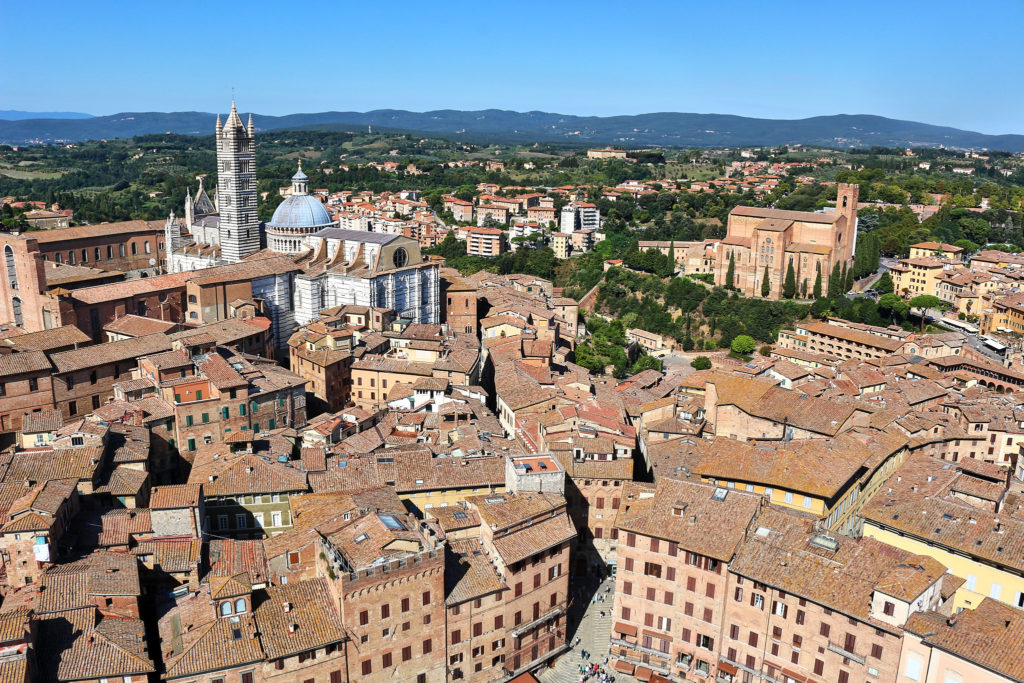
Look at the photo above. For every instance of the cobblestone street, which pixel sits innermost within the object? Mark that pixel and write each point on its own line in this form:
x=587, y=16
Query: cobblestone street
x=593, y=630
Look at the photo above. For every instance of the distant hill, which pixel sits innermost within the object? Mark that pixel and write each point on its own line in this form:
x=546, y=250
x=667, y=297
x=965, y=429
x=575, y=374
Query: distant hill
x=18, y=115
x=666, y=128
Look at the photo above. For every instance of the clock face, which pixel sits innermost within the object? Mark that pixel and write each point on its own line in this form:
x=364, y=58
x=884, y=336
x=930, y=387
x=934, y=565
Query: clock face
x=401, y=257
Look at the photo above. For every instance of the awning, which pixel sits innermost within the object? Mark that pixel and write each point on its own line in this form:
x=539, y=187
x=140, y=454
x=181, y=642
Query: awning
x=643, y=673
x=795, y=676
x=625, y=629
x=625, y=667
x=726, y=667
x=658, y=678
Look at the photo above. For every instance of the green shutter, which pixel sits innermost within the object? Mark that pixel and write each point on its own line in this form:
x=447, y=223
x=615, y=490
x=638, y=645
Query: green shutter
x=191, y=444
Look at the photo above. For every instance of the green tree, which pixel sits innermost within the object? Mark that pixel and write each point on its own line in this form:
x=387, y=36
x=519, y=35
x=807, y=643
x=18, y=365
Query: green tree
x=730, y=274
x=923, y=302
x=849, y=280
x=842, y=281
x=835, y=280
x=894, y=304
x=884, y=284
x=743, y=345
x=701, y=363
x=789, y=286
x=968, y=246
x=766, y=283
x=803, y=288
x=816, y=294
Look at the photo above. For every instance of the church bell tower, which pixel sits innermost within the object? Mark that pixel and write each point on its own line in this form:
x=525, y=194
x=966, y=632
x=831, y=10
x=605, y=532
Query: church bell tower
x=236, y=188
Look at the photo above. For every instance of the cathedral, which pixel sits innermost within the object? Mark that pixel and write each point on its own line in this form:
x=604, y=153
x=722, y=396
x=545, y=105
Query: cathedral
x=335, y=266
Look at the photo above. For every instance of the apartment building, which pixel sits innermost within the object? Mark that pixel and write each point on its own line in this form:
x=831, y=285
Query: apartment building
x=485, y=242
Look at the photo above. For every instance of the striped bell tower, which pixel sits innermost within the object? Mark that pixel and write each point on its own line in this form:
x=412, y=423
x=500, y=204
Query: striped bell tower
x=236, y=188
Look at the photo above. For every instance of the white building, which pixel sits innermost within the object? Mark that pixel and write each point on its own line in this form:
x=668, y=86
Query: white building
x=228, y=231
x=367, y=269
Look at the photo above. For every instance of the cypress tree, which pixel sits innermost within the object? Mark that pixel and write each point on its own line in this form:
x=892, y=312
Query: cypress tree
x=803, y=288
x=730, y=274
x=850, y=279
x=835, y=282
x=789, y=286
x=842, y=281
x=766, y=285
x=817, y=283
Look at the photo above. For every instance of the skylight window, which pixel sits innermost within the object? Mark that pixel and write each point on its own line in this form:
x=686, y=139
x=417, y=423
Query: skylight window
x=719, y=494
x=361, y=537
x=391, y=522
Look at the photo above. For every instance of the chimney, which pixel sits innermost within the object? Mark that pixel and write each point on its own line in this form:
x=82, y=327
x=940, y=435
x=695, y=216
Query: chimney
x=292, y=627
x=212, y=477
x=287, y=606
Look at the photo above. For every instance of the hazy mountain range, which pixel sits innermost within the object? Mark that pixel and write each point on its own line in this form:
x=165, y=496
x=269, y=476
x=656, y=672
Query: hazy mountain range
x=686, y=130
x=18, y=115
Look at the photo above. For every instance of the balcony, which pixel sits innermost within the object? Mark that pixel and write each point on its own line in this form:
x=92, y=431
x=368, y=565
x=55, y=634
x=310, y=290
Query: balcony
x=557, y=612
x=838, y=649
x=641, y=648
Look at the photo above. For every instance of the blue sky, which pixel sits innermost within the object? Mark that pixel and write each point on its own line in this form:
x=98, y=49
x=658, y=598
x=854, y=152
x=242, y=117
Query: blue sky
x=948, y=63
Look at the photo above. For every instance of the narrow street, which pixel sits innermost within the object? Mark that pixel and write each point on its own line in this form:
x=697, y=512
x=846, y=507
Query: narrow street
x=594, y=631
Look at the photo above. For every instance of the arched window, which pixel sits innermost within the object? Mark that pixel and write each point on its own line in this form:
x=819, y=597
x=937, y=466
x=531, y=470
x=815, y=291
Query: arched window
x=240, y=606
x=225, y=609
x=12, y=272
x=16, y=308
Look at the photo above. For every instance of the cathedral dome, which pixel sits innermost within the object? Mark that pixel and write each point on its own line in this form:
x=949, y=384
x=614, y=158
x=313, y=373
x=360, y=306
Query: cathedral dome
x=301, y=211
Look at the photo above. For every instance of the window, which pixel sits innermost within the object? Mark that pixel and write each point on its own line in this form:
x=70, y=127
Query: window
x=120, y=250
x=428, y=646
x=240, y=606
x=706, y=642
x=824, y=630
x=146, y=247
x=876, y=651
x=135, y=249
x=367, y=667
x=889, y=609
x=110, y=251
x=12, y=273
x=225, y=608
